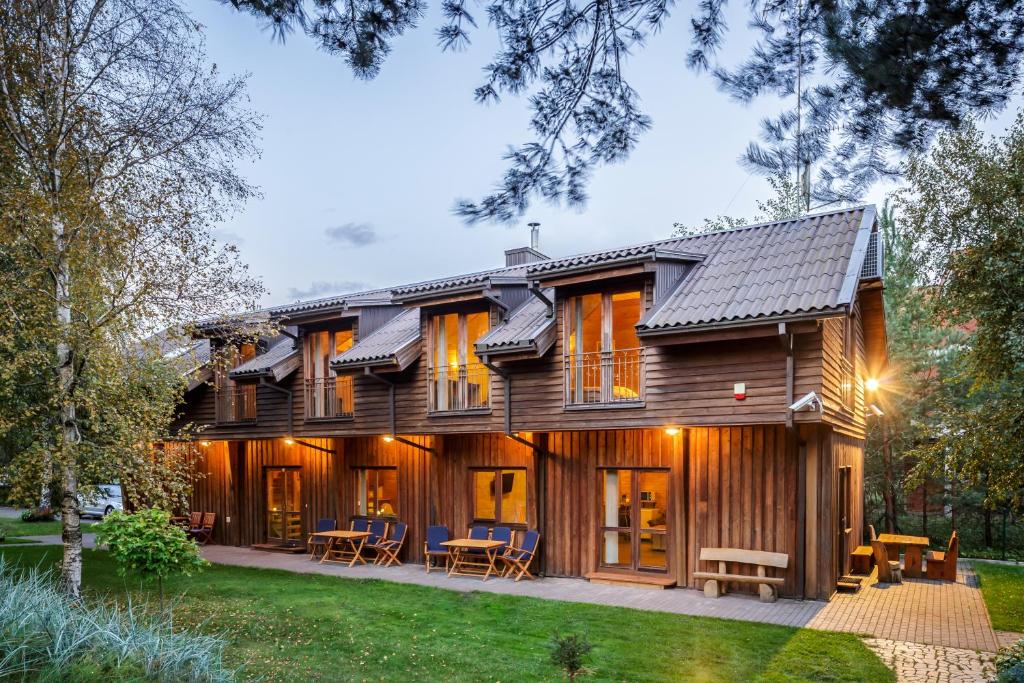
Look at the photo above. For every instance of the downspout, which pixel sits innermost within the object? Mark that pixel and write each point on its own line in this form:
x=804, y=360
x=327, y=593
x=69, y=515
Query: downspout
x=536, y=291
x=488, y=295
x=391, y=395
x=288, y=394
x=506, y=380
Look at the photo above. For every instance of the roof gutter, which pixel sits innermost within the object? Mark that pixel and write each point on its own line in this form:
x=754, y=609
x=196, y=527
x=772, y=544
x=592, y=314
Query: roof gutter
x=506, y=381
x=537, y=292
x=752, y=322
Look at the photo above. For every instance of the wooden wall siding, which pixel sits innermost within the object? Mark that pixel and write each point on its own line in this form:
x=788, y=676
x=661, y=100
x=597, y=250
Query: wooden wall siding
x=847, y=422
x=417, y=483
x=847, y=452
x=742, y=482
x=572, y=484
x=213, y=488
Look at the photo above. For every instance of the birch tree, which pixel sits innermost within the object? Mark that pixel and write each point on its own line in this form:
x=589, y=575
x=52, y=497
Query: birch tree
x=122, y=150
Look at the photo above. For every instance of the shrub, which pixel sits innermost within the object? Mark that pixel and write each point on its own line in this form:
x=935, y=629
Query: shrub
x=37, y=515
x=1010, y=664
x=147, y=544
x=46, y=636
x=568, y=653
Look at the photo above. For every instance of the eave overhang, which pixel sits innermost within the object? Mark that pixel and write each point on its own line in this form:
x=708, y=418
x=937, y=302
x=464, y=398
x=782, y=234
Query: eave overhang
x=633, y=260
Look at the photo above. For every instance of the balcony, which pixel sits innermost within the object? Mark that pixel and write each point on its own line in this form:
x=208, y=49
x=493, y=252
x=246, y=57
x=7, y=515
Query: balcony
x=459, y=387
x=329, y=398
x=604, y=377
x=236, y=403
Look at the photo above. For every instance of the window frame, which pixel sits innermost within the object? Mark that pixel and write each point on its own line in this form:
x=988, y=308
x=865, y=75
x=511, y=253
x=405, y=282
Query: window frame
x=362, y=492
x=465, y=356
x=310, y=363
x=497, y=472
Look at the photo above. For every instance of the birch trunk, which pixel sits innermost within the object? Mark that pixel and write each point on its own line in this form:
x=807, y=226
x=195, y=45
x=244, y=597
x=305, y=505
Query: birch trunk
x=71, y=528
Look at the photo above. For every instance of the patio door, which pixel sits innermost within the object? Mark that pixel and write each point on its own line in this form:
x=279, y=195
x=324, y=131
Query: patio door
x=284, y=504
x=634, y=519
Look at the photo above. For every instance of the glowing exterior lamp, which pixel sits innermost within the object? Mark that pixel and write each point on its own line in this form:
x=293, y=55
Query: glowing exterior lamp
x=204, y=444
x=289, y=441
x=871, y=384
x=672, y=431
x=388, y=438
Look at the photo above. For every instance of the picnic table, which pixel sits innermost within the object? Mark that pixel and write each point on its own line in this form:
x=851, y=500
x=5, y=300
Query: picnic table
x=344, y=546
x=912, y=555
x=467, y=563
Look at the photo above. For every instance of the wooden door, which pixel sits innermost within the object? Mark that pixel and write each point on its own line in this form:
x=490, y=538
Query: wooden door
x=284, y=504
x=634, y=507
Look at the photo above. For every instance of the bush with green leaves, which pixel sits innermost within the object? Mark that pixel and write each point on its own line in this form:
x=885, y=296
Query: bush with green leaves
x=44, y=635
x=1010, y=664
x=145, y=543
x=568, y=652
x=43, y=514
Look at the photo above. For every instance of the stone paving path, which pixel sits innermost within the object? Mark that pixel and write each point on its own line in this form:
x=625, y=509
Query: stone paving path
x=914, y=662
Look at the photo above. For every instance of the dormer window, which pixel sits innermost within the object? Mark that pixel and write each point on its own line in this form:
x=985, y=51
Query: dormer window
x=327, y=395
x=457, y=379
x=603, y=357
x=234, y=402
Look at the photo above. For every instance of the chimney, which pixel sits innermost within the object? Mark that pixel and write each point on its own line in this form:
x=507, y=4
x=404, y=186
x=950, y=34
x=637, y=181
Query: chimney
x=522, y=255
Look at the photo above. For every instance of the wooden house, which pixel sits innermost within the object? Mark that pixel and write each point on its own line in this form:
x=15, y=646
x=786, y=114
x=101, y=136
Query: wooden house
x=634, y=405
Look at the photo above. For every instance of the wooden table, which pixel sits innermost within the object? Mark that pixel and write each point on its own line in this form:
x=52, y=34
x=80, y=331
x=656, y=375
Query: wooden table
x=912, y=555
x=344, y=546
x=473, y=564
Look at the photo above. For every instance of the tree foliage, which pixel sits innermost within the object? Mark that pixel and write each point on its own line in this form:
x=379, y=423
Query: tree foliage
x=118, y=146
x=786, y=202
x=877, y=77
x=965, y=205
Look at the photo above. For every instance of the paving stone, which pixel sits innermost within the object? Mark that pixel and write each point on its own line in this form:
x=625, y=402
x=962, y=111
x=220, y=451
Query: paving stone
x=916, y=662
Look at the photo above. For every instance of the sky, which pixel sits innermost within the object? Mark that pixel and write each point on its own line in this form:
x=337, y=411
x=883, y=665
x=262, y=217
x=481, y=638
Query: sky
x=358, y=178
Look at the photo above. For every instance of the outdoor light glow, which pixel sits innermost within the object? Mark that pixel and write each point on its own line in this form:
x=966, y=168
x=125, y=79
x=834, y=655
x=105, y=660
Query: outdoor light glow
x=204, y=444
x=871, y=384
x=388, y=439
x=289, y=441
x=672, y=431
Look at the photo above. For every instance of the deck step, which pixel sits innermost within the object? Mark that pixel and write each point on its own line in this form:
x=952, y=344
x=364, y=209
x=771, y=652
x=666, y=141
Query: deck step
x=280, y=548
x=631, y=580
x=849, y=583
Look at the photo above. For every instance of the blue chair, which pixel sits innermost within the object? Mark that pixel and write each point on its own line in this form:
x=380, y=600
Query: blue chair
x=477, y=533
x=360, y=525
x=388, y=549
x=436, y=535
x=316, y=541
x=503, y=534
x=378, y=530
x=517, y=560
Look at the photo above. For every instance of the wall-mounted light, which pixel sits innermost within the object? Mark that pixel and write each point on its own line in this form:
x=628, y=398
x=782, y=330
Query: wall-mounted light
x=204, y=444
x=388, y=438
x=672, y=431
x=289, y=441
x=871, y=384
x=876, y=410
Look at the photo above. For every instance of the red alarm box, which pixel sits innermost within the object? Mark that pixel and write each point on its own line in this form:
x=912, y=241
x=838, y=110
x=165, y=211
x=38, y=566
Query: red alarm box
x=739, y=391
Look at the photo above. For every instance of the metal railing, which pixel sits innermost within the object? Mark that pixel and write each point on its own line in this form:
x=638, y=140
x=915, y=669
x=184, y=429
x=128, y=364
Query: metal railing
x=604, y=377
x=236, y=403
x=329, y=397
x=460, y=387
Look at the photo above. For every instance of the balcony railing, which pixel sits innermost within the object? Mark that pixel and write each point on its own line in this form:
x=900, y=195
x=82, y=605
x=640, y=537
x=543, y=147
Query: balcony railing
x=328, y=397
x=604, y=377
x=236, y=403
x=460, y=387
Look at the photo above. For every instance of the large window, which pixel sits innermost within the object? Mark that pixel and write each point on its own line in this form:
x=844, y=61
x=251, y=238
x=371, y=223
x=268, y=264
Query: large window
x=377, y=494
x=603, y=359
x=234, y=402
x=327, y=395
x=457, y=379
x=499, y=496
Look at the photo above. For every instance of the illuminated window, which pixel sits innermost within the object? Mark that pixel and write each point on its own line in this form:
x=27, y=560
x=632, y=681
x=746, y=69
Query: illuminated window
x=234, y=402
x=378, y=492
x=457, y=379
x=499, y=496
x=327, y=395
x=603, y=359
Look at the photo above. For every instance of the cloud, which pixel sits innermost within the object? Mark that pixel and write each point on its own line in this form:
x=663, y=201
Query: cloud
x=322, y=288
x=353, y=234
x=228, y=237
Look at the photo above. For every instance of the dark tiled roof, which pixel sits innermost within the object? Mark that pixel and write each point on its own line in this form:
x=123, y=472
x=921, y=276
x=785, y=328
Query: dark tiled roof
x=385, y=345
x=786, y=268
x=525, y=325
x=667, y=249
x=459, y=282
x=368, y=298
x=282, y=351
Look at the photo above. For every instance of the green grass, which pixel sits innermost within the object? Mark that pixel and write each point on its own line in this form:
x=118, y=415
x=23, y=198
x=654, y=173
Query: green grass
x=13, y=540
x=16, y=527
x=1003, y=589
x=285, y=626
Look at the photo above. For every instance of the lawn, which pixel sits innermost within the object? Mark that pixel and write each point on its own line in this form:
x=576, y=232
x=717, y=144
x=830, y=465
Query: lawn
x=16, y=527
x=284, y=626
x=1003, y=589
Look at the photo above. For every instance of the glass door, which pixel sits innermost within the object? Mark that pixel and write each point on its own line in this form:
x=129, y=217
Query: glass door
x=634, y=519
x=284, y=509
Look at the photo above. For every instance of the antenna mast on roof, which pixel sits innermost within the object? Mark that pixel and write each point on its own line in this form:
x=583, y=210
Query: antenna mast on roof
x=534, y=236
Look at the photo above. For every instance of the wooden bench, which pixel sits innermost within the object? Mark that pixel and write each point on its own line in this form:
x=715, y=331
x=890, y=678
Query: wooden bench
x=768, y=586
x=862, y=559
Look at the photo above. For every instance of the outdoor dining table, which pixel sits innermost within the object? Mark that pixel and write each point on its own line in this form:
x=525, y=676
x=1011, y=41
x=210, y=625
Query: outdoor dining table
x=466, y=563
x=912, y=555
x=344, y=546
